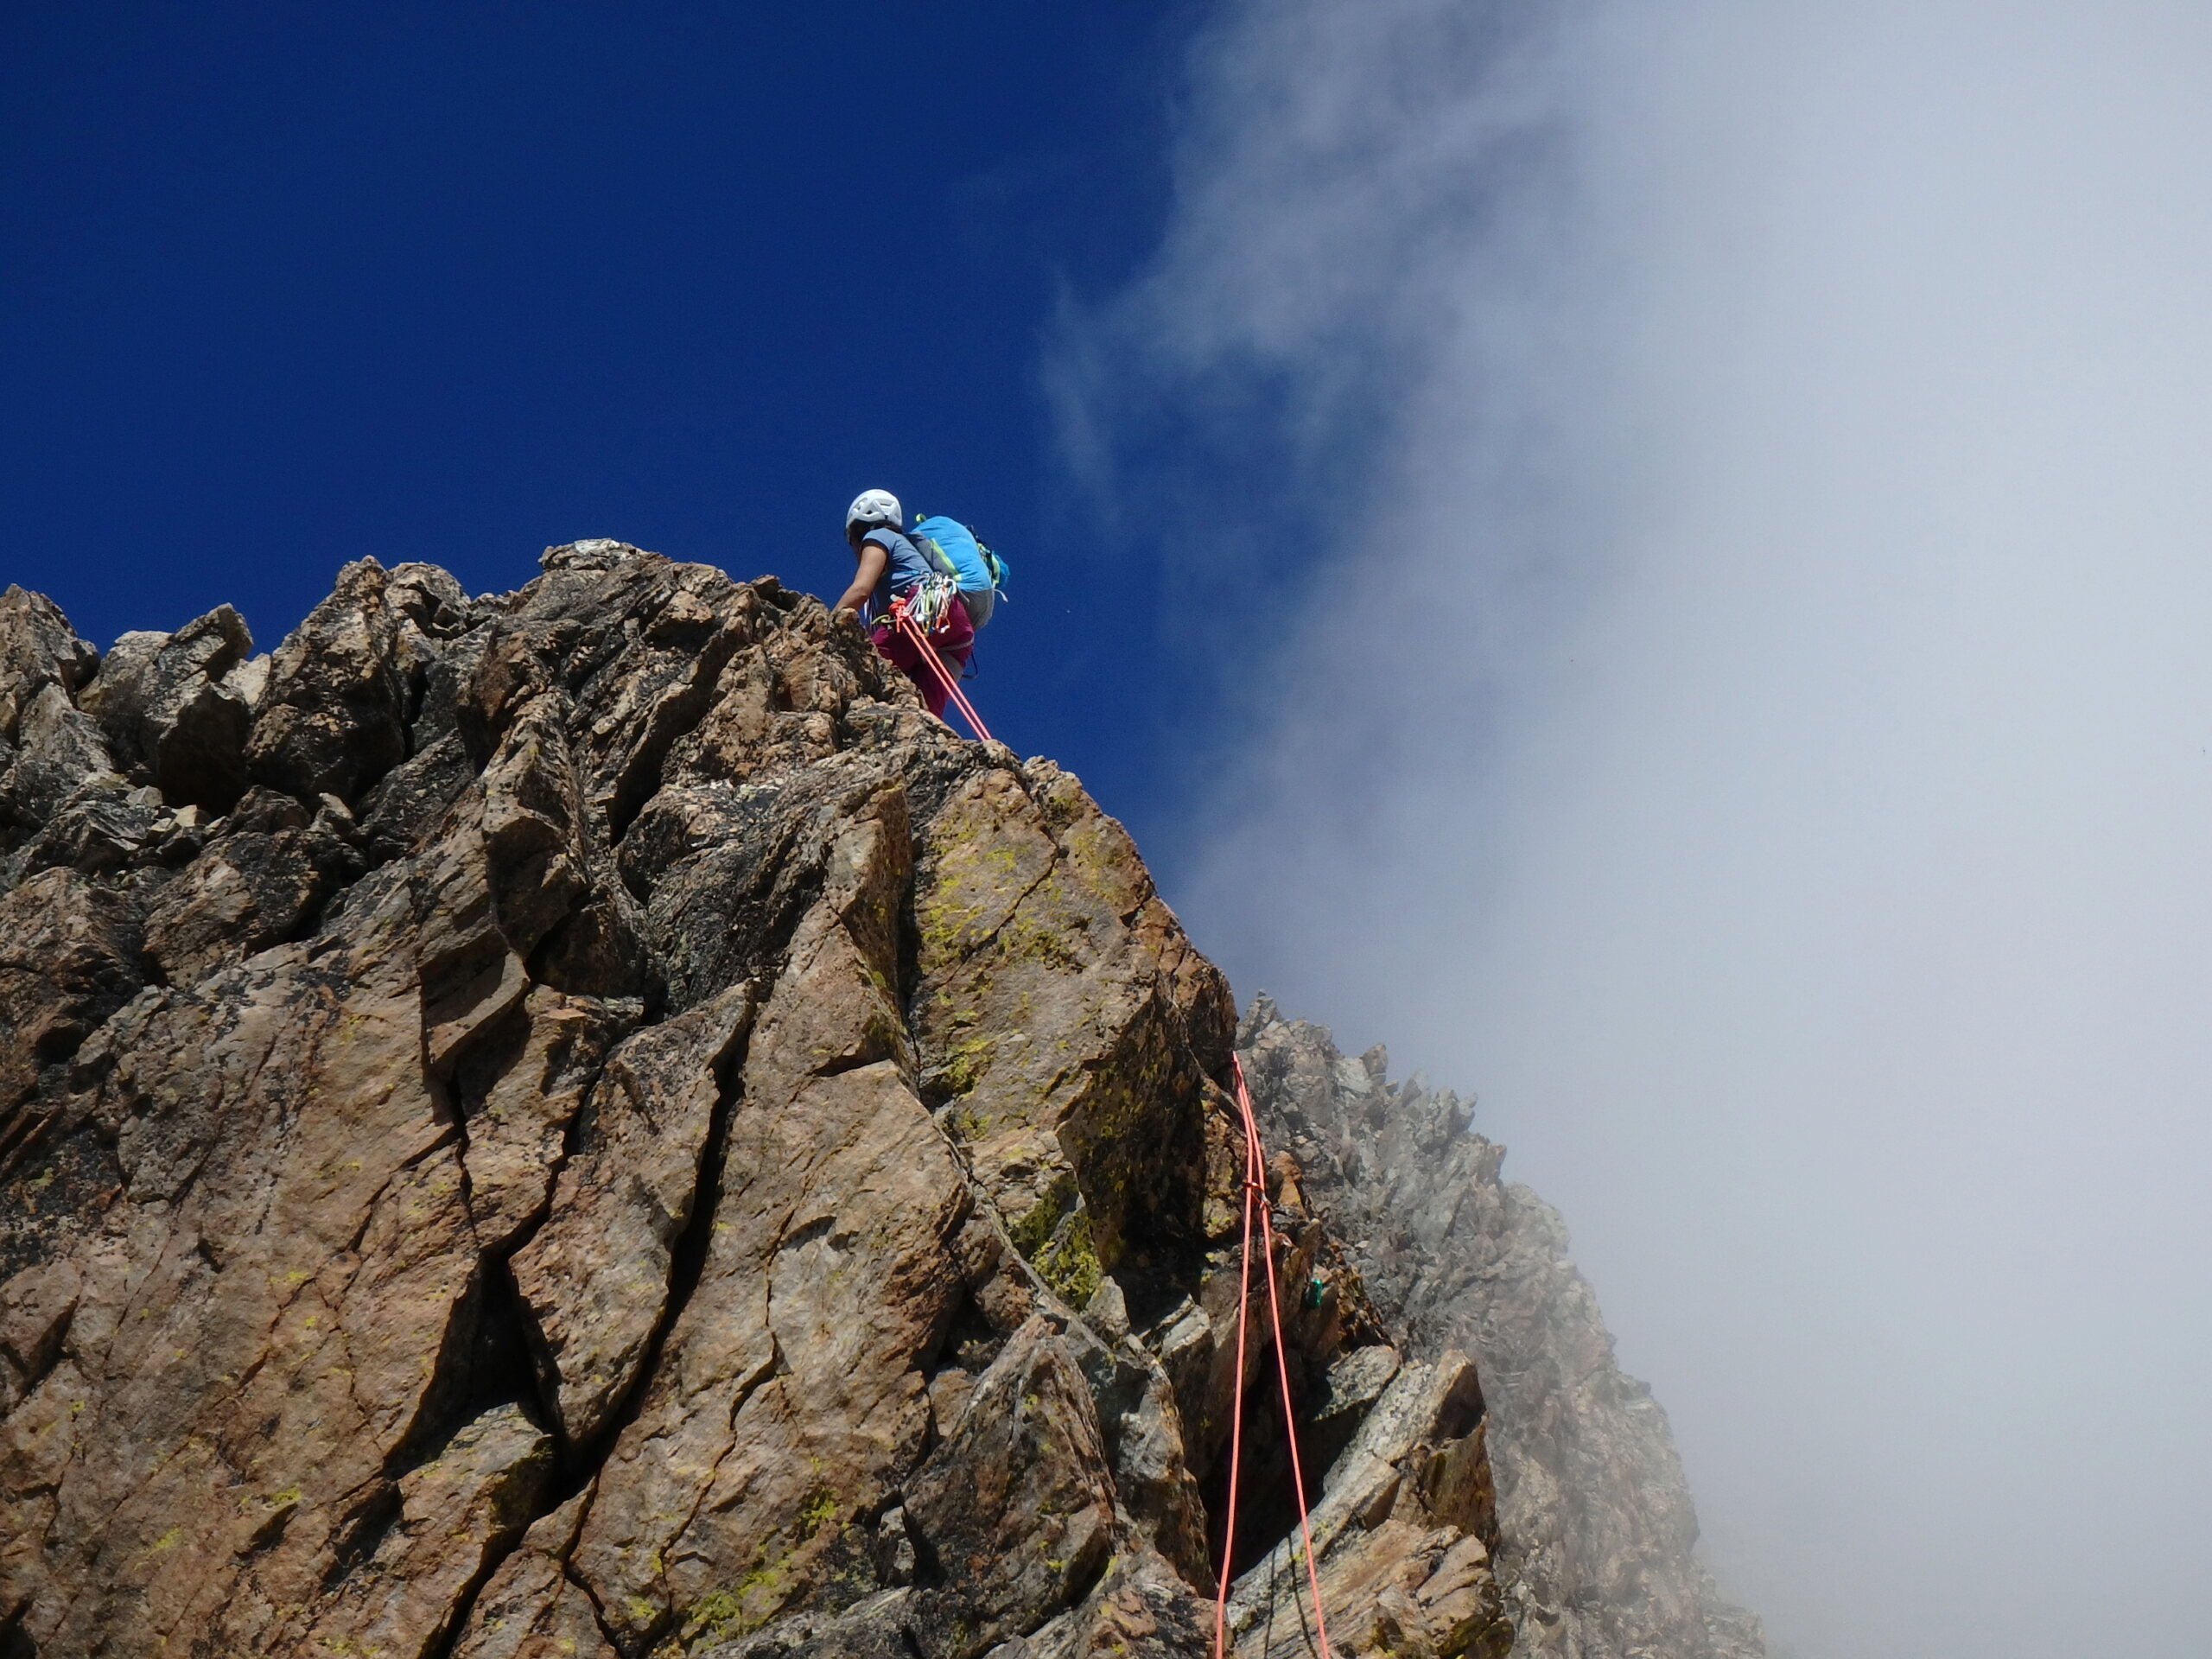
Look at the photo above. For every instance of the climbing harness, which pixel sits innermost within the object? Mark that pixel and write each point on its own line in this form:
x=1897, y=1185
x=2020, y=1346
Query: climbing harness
x=903, y=619
x=1255, y=1196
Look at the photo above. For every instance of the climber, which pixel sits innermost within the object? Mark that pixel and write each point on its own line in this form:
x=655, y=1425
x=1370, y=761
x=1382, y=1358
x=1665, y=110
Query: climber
x=892, y=568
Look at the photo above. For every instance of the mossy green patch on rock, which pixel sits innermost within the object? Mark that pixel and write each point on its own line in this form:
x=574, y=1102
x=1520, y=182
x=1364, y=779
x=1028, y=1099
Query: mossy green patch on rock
x=1070, y=1264
x=967, y=1126
x=966, y=1060
x=1030, y=1231
x=1055, y=1238
x=818, y=1511
x=734, y=1609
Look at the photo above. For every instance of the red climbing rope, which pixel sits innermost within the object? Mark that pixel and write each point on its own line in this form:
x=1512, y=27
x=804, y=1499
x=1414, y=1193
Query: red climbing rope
x=906, y=625
x=1250, y=1183
x=1255, y=1196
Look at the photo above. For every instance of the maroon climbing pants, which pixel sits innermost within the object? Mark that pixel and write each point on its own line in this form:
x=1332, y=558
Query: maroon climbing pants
x=953, y=639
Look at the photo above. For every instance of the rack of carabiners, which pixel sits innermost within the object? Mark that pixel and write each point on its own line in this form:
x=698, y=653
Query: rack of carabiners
x=1255, y=1201
x=920, y=639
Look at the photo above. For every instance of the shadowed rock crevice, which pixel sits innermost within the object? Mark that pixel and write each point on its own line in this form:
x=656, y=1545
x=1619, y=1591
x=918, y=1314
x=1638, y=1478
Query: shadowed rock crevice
x=483, y=1363
x=582, y=1460
x=1267, y=1510
x=580, y=1122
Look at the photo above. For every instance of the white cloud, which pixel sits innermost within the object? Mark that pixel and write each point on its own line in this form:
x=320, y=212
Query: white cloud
x=1751, y=717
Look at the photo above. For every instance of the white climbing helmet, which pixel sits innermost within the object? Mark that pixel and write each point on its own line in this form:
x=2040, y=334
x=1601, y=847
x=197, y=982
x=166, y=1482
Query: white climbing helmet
x=875, y=507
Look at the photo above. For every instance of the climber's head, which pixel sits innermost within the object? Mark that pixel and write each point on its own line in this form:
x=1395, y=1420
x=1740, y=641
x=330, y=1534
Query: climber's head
x=869, y=509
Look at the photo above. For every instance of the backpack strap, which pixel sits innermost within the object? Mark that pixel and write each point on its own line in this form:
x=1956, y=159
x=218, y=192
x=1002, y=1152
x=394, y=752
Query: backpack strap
x=940, y=561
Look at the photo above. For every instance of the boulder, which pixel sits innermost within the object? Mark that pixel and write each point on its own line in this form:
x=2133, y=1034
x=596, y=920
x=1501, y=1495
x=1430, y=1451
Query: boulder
x=38, y=648
x=1016, y=1509
x=1140, y=1609
x=59, y=757
x=332, y=717
x=260, y=880
x=1401, y=1538
x=171, y=714
x=69, y=957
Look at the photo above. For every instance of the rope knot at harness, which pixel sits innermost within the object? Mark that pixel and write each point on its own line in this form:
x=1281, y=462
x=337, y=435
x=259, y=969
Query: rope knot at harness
x=1254, y=1183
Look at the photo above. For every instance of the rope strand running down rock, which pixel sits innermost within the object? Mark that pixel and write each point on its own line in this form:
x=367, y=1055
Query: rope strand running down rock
x=920, y=641
x=1236, y=1417
x=1255, y=1196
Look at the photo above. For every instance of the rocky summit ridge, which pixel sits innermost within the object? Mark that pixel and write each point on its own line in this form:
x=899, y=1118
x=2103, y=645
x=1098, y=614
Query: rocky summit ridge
x=583, y=1122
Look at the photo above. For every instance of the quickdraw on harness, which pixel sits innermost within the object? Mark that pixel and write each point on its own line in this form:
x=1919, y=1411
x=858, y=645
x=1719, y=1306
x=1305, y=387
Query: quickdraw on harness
x=928, y=600
x=1256, y=1198
x=904, y=618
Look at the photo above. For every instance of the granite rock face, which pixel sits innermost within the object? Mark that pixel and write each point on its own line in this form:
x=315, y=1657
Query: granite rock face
x=581, y=1121
x=1595, y=1520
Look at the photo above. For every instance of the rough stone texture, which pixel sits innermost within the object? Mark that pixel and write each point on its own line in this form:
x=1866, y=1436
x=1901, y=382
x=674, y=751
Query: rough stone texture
x=1139, y=1610
x=458, y=1514
x=1403, y=1538
x=593, y=1276
x=1016, y=1506
x=588, y=1124
x=1595, y=1522
x=529, y=1608
x=332, y=716
x=171, y=715
x=263, y=875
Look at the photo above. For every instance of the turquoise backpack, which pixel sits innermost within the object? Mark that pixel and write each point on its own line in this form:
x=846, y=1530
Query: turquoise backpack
x=955, y=549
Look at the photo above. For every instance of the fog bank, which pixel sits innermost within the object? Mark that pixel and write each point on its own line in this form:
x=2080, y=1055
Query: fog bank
x=1728, y=488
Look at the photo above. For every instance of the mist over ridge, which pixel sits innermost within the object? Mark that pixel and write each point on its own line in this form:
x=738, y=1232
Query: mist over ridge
x=1729, y=489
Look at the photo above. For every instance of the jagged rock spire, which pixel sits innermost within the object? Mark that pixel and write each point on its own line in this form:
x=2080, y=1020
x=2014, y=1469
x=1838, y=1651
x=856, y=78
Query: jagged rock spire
x=582, y=1122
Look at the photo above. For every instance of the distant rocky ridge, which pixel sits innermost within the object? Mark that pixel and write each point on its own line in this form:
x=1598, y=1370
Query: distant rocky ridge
x=1596, y=1520
x=581, y=1121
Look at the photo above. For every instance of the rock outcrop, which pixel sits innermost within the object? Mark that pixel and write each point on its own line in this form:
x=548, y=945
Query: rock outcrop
x=1595, y=1515
x=581, y=1121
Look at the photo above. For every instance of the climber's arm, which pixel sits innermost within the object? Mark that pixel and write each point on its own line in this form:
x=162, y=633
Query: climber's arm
x=873, y=558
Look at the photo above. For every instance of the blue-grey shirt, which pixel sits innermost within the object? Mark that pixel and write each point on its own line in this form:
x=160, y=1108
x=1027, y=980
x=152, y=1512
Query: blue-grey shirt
x=904, y=566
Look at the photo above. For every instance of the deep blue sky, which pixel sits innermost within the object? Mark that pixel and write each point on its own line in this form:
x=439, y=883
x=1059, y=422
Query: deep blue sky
x=287, y=285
